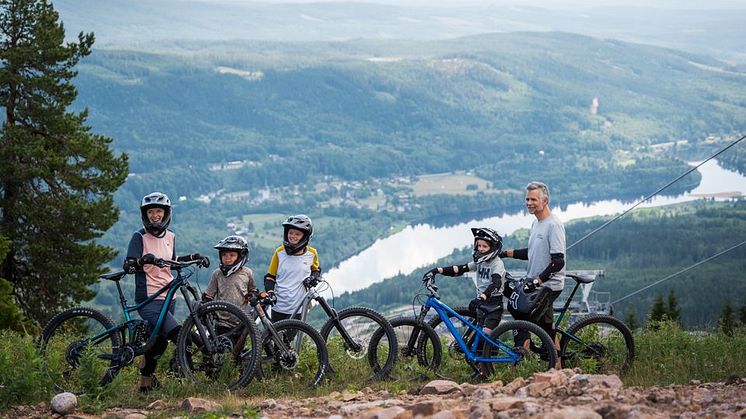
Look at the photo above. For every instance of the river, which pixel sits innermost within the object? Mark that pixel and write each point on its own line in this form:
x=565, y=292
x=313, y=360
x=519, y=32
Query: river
x=422, y=245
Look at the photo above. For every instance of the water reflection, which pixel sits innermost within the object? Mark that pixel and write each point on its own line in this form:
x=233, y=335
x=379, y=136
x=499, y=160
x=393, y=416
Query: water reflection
x=421, y=245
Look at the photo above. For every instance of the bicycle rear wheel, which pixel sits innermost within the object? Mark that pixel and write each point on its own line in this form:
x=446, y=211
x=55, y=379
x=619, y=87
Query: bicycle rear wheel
x=598, y=344
x=78, y=354
x=349, y=358
x=225, y=355
x=522, y=344
x=298, y=360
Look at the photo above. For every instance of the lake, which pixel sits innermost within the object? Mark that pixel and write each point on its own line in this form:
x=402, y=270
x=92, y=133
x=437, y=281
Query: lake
x=421, y=245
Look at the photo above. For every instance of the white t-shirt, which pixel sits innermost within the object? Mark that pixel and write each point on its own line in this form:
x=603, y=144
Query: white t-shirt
x=547, y=236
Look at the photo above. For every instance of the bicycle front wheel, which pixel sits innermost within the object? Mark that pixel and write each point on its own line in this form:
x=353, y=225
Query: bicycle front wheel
x=79, y=349
x=219, y=348
x=297, y=357
x=351, y=349
x=419, y=350
x=466, y=333
x=598, y=344
x=522, y=344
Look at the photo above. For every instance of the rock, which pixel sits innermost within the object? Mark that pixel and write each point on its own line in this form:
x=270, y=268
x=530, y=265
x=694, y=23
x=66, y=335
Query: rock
x=64, y=403
x=196, y=405
x=505, y=403
x=393, y=412
x=441, y=387
x=157, y=405
x=608, y=381
x=573, y=412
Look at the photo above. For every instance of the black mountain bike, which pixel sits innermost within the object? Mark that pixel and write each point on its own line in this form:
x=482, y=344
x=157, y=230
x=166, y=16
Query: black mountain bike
x=291, y=350
x=348, y=333
x=82, y=348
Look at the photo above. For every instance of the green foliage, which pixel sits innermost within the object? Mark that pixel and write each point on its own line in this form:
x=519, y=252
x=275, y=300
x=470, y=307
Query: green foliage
x=727, y=320
x=630, y=318
x=21, y=379
x=658, y=311
x=57, y=178
x=10, y=316
x=673, y=311
x=668, y=354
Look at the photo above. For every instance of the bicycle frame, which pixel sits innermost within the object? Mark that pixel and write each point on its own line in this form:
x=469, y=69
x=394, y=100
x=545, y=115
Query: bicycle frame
x=178, y=283
x=311, y=295
x=578, y=280
x=470, y=353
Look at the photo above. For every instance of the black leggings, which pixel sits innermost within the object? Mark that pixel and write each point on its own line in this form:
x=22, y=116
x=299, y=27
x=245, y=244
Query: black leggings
x=155, y=352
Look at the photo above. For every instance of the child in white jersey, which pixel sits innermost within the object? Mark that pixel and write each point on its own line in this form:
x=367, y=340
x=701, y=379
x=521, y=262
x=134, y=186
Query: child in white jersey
x=291, y=263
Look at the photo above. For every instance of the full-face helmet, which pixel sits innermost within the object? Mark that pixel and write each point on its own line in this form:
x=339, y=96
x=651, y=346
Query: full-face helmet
x=298, y=222
x=492, y=238
x=156, y=200
x=524, y=304
x=237, y=244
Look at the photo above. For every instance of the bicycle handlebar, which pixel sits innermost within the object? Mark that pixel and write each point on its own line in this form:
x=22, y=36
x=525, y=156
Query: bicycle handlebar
x=175, y=264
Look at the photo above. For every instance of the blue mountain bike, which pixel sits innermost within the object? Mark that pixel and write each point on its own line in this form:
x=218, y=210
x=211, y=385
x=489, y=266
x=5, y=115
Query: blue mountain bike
x=82, y=348
x=419, y=344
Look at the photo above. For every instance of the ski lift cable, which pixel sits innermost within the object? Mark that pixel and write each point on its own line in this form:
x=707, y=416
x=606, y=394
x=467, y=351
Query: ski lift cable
x=620, y=215
x=679, y=272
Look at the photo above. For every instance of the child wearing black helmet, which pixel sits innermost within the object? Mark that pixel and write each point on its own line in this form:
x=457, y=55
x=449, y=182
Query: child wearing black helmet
x=488, y=305
x=291, y=263
x=154, y=241
x=232, y=281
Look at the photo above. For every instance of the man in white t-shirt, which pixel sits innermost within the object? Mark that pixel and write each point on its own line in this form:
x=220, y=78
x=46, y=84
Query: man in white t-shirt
x=545, y=252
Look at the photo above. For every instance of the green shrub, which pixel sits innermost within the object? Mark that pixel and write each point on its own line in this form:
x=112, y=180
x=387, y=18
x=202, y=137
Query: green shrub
x=21, y=378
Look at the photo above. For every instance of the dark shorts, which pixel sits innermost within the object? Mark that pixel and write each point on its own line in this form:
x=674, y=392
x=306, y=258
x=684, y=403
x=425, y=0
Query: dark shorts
x=151, y=311
x=276, y=316
x=489, y=312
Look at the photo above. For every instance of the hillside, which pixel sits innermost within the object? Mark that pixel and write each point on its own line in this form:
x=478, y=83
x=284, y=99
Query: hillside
x=237, y=128
x=637, y=250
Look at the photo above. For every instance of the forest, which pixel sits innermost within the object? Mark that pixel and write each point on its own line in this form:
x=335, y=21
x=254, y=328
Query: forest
x=637, y=250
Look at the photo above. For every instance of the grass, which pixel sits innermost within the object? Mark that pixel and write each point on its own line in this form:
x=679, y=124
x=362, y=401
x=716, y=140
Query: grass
x=665, y=354
x=449, y=184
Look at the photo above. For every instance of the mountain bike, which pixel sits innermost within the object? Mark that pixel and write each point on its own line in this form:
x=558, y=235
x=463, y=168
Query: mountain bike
x=595, y=343
x=420, y=344
x=347, y=334
x=82, y=348
x=290, y=349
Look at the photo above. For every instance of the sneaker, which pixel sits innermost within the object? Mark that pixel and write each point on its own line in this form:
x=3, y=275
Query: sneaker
x=154, y=385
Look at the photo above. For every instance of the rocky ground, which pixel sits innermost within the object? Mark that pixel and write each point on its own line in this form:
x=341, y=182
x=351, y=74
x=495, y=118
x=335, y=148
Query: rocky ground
x=554, y=394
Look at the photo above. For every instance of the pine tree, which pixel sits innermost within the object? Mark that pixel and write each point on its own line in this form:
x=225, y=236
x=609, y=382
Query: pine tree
x=742, y=315
x=630, y=317
x=57, y=179
x=673, y=311
x=727, y=321
x=658, y=311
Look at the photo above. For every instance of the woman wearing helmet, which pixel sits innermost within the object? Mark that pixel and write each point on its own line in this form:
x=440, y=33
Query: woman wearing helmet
x=291, y=263
x=232, y=281
x=154, y=241
x=488, y=305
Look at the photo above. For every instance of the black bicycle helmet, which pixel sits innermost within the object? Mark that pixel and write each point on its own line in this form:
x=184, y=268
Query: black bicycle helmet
x=237, y=244
x=524, y=304
x=298, y=222
x=490, y=236
x=155, y=200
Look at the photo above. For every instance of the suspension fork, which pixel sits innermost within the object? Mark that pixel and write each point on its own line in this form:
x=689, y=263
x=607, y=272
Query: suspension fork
x=267, y=323
x=411, y=347
x=193, y=307
x=334, y=316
